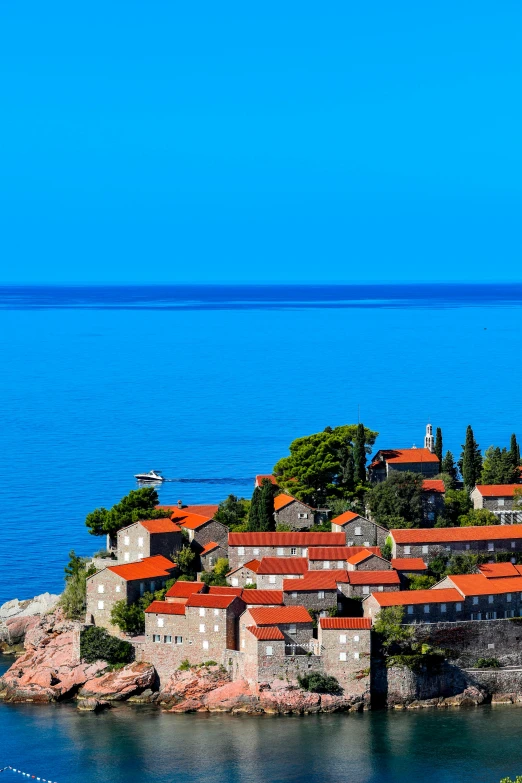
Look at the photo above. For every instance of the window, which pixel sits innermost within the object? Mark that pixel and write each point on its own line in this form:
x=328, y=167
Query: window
x=356, y=655
x=269, y=650
x=294, y=595
x=340, y=564
x=501, y=502
x=458, y=606
x=126, y=540
x=410, y=609
x=304, y=552
x=475, y=599
x=407, y=550
x=356, y=638
x=161, y=622
x=201, y=611
x=513, y=545
x=491, y=646
x=178, y=640
x=509, y=613
x=476, y=615
x=468, y=546
x=424, y=550
x=431, y=515
x=101, y=605
x=292, y=629
x=320, y=594
x=342, y=656
x=256, y=551
x=293, y=550
x=142, y=588
x=448, y=549
x=491, y=546
x=216, y=628
x=302, y=516
x=380, y=589
x=211, y=561
x=366, y=543
x=431, y=498
x=426, y=608
x=202, y=627
x=443, y=608
x=513, y=560
x=271, y=579
x=280, y=551
x=508, y=596
x=241, y=550
x=342, y=638
x=366, y=590
x=216, y=612
x=323, y=613
x=140, y=541
x=118, y=588
x=235, y=581
x=101, y=589
x=326, y=564
x=205, y=645
x=152, y=586
x=350, y=543
x=357, y=531
x=491, y=615
x=490, y=599
x=242, y=643
x=126, y=556
x=156, y=638
x=167, y=639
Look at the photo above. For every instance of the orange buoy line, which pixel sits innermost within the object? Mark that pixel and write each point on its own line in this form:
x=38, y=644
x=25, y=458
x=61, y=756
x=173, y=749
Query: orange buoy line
x=26, y=774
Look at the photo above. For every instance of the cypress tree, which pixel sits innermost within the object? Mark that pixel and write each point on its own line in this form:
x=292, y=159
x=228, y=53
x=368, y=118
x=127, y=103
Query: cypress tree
x=514, y=451
x=359, y=455
x=254, y=512
x=266, y=506
x=438, y=444
x=449, y=467
x=470, y=462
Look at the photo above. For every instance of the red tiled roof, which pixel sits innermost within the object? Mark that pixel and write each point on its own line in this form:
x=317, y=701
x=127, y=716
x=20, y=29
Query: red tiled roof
x=278, y=615
x=282, y=500
x=410, y=456
x=316, y=580
x=477, y=584
x=283, y=565
x=496, y=570
x=433, y=485
x=408, y=564
x=286, y=539
x=148, y=568
x=343, y=519
x=211, y=600
x=435, y=535
x=209, y=547
x=407, y=597
x=205, y=510
x=497, y=490
x=266, y=634
x=262, y=476
x=252, y=565
x=263, y=597
x=345, y=623
x=340, y=552
x=190, y=521
x=360, y=557
x=219, y=590
x=164, y=607
x=374, y=577
x=160, y=525
x=185, y=589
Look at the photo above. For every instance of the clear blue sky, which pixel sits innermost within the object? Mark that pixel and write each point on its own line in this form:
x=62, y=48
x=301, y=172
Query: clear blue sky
x=277, y=141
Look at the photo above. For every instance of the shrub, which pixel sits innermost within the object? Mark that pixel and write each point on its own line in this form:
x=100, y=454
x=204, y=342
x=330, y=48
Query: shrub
x=97, y=645
x=250, y=586
x=74, y=598
x=318, y=683
x=184, y=665
x=487, y=663
x=129, y=618
x=421, y=582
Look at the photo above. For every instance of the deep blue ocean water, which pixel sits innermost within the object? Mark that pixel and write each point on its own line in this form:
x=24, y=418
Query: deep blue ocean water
x=210, y=385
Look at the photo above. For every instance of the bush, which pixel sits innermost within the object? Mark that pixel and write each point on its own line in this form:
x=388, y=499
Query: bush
x=129, y=618
x=250, y=586
x=184, y=665
x=97, y=645
x=318, y=683
x=487, y=663
x=74, y=598
x=421, y=582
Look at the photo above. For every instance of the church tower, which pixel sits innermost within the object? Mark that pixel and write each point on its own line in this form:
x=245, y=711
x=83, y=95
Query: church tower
x=429, y=441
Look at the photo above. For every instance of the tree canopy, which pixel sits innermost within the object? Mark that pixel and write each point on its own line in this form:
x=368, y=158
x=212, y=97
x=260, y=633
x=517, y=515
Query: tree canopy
x=498, y=467
x=397, y=502
x=261, y=512
x=233, y=512
x=74, y=598
x=438, y=443
x=138, y=504
x=470, y=463
x=448, y=466
x=456, y=503
x=326, y=465
x=478, y=516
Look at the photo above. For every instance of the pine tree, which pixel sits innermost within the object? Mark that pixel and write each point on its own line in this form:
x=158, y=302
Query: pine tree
x=449, y=467
x=438, y=443
x=470, y=462
x=514, y=451
x=359, y=455
x=498, y=467
x=266, y=506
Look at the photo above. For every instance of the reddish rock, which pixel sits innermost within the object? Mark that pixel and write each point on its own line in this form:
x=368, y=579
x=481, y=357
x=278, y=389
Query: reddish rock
x=119, y=684
x=192, y=685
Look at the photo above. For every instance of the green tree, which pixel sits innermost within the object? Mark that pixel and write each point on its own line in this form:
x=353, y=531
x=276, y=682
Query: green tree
x=387, y=548
x=129, y=618
x=186, y=561
x=359, y=455
x=232, y=512
x=498, y=467
x=462, y=564
x=514, y=450
x=399, y=496
x=478, y=516
x=456, y=503
x=517, y=499
x=318, y=467
x=218, y=574
x=421, y=582
x=448, y=466
x=254, y=511
x=74, y=598
x=389, y=626
x=98, y=645
x=138, y=504
x=438, y=443
x=470, y=463
x=261, y=514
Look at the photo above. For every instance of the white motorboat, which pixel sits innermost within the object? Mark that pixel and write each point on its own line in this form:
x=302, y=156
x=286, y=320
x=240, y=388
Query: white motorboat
x=152, y=475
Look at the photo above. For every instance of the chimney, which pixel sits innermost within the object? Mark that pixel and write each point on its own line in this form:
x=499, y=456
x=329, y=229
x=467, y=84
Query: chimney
x=180, y=504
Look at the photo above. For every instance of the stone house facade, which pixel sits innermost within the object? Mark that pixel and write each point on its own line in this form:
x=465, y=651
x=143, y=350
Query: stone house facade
x=201, y=529
x=124, y=582
x=147, y=538
x=486, y=598
x=367, y=561
x=500, y=500
x=318, y=591
x=244, y=547
x=363, y=583
x=294, y=622
x=266, y=656
x=244, y=575
x=272, y=571
x=420, y=606
x=210, y=554
x=359, y=531
x=345, y=648
x=336, y=557
x=388, y=461
x=427, y=543
x=292, y=512
x=433, y=492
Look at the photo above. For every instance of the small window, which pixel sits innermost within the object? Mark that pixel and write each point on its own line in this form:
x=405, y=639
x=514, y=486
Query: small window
x=424, y=550
x=320, y=594
x=202, y=627
x=156, y=638
x=410, y=609
x=161, y=622
x=304, y=552
x=475, y=599
x=356, y=638
x=216, y=612
x=235, y=581
x=142, y=588
x=509, y=613
x=491, y=646
x=443, y=608
x=140, y=541
x=280, y=551
x=491, y=546
x=242, y=643
x=407, y=550
x=205, y=645
x=340, y=564
x=241, y=550
x=293, y=550
x=380, y=589
x=126, y=556
x=431, y=516
x=326, y=564
x=426, y=608
x=342, y=656
x=490, y=599
x=302, y=516
x=342, y=638
x=118, y=588
x=468, y=546
x=458, y=606
x=448, y=549
x=366, y=590
x=201, y=611
x=269, y=650
x=508, y=596
x=350, y=543
x=357, y=531
x=356, y=655
x=101, y=589
x=101, y=605
x=211, y=561
x=271, y=579
x=294, y=595
x=216, y=628
x=126, y=540
x=292, y=629
x=366, y=543
x=491, y=615
x=152, y=586
x=501, y=501
x=513, y=545
x=256, y=551
x=178, y=640
x=513, y=560
x=167, y=639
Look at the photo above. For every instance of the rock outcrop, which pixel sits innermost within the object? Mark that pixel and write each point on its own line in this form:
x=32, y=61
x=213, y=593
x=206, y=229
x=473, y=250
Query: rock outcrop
x=119, y=684
x=17, y=617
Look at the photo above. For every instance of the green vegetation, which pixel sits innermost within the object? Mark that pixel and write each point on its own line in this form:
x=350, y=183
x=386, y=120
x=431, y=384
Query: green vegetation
x=130, y=618
x=187, y=562
x=487, y=663
x=399, y=645
x=233, y=512
x=470, y=463
x=479, y=516
x=97, y=645
x=184, y=665
x=74, y=598
x=514, y=450
x=518, y=779
x=438, y=444
x=250, y=586
x=390, y=628
x=499, y=467
x=449, y=467
x=218, y=574
x=517, y=498
x=261, y=514
x=386, y=550
x=319, y=683
x=326, y=465
x=397, y=502
x=282, y=528
x=421, y=582
x=138, y=504
x=457, y=503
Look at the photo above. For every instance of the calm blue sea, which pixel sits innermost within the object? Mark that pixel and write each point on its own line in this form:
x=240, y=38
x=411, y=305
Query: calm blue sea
x=210, y=385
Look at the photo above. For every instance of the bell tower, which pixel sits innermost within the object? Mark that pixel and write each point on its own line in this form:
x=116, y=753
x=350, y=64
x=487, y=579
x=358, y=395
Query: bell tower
x=429, y=441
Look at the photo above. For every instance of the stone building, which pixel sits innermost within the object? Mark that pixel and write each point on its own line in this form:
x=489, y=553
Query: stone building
x=253, y=598
x=358, y=530
x=427, y=543
x=367, y=561
x=210, y=554
x=345, y=646
x=124, y=582
x=273, y=570
x=244, y=547
x=318, y=591
x=294, y=513
x=201, y=529
x=388, y=461
x=181, y=591
x=499, y=499
x=147, y=538
x=420, y=606
x=294, y=622
x=433, y=492
x=487, y=598
x=409, y=566
x=363, y=583
x=336, y=557
x=244, y=575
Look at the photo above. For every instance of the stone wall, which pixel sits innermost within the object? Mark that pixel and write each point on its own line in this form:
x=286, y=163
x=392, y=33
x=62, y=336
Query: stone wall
x=241, y=577
x=212, y=531
x=346, y=656
x=289, y=515
x=466, y=642
x=311, y=599
x=363, y=532
x=238, y=555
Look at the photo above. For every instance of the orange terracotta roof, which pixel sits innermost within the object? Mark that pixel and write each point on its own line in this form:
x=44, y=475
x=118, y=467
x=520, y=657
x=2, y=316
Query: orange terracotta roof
x=262, y=476
x=190, y=521
x=433, y=485
x=410, y=456
x=360, y=557
x=374, y=577
x=209, y=547
x=279, y=615
x=164, y=607
x=316, y=580
x=148, y=568
x=211, y=600
x=343, y=519
x=252, y=565
x=408, y=597
x=408, y=564
x=497, y=490
x=286, y=539
x=263, y=597
x=282, y=500
x=160, y=525
x=345, y=623
x=496, y=570
x=283, y=565
x=206, y=510
x=340, y=552
x=435, y=535
x=266, y=634
x=477, y=584
x=223, y=590
x=185, y=589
